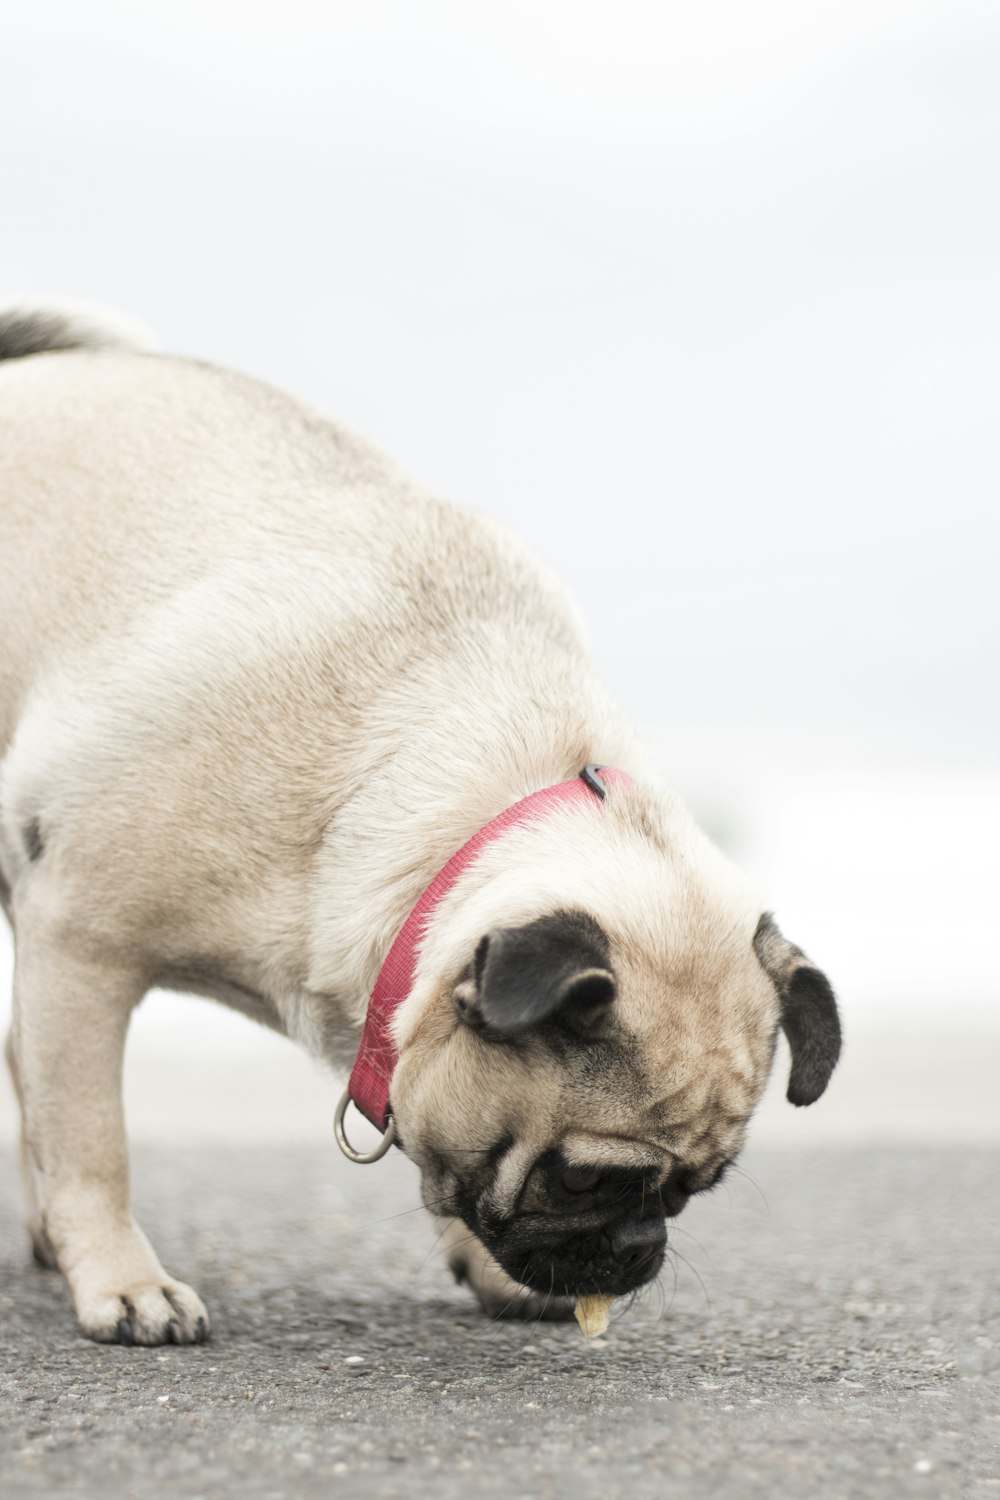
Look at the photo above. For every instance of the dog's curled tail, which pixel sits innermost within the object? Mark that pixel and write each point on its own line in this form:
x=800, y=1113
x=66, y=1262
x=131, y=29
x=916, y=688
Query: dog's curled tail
x=43, y=326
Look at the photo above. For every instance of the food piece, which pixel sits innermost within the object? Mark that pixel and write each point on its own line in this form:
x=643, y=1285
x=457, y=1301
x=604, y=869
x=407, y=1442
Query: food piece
x=592, y=1315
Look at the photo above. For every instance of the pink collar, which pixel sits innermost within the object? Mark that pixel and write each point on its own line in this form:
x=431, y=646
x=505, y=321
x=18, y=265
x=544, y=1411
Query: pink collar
x=373, y=1067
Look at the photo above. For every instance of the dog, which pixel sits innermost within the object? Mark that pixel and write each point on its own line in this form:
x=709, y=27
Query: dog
x=256, y=689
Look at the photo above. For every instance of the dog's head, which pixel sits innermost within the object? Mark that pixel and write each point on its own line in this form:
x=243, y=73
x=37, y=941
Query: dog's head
x=569, y=1078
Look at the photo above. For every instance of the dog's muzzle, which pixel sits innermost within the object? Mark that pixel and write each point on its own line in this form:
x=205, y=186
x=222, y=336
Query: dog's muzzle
x=616, y=1259
x=578, y=1231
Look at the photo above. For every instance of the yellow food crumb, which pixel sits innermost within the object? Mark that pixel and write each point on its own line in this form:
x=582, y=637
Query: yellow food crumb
x=592, y=1314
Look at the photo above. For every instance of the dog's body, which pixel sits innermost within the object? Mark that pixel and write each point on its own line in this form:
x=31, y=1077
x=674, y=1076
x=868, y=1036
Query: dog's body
x=255, y=689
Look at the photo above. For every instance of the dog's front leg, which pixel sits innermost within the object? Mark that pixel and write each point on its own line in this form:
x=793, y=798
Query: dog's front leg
x=40, y=1247
x=499, y=1296
x=71, y=1014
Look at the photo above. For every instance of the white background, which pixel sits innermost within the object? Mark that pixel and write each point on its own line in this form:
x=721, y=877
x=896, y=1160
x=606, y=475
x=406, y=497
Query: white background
x=700, y=298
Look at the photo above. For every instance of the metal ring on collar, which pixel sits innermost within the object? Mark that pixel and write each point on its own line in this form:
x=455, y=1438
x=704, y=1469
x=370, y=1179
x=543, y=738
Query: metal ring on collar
x=345, y=1145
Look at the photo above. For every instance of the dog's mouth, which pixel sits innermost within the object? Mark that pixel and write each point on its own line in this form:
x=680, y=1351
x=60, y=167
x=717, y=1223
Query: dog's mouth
x=565, y=1229
x=612, y=1260
x=607, y=1246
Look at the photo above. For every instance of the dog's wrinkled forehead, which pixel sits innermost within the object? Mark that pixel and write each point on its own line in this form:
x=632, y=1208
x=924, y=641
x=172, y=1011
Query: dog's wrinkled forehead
x=705, y=1027
x=567, y=1034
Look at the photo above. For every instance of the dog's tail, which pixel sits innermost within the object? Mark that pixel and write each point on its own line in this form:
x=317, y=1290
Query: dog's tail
x=44, y=326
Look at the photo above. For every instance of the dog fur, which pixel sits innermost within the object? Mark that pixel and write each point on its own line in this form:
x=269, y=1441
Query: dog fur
x=256, y=687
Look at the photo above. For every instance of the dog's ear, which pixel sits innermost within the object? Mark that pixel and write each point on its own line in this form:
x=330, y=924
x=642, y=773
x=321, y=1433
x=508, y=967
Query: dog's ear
x=809, y=1016
x=555, y=968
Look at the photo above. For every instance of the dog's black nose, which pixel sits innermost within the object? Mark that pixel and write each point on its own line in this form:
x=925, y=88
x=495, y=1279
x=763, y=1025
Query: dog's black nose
x=636, y=1241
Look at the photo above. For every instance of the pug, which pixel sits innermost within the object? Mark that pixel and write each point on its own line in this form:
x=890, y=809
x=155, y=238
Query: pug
x=256, y=689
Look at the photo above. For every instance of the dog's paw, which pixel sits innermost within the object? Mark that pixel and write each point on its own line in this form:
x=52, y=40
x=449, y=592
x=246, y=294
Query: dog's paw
x=148, y=1312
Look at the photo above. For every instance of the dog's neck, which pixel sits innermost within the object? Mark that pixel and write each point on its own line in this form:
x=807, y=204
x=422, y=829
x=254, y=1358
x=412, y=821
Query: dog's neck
x=371, y=1077
x=408, y=806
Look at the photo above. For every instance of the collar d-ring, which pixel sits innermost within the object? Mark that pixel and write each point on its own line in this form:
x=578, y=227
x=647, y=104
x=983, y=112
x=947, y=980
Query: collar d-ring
x=350, y=1151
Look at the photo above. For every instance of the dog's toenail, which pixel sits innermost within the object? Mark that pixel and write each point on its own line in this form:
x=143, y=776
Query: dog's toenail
x=124, y=1331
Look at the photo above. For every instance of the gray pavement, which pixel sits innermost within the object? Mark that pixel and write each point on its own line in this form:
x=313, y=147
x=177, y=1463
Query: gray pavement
x=828, y=1328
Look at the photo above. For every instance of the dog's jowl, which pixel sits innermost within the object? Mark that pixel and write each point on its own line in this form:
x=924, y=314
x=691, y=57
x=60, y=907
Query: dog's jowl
x=279, y=727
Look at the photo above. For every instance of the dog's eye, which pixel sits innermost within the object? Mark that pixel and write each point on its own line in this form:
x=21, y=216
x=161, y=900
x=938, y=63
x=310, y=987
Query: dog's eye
x=579, y=1179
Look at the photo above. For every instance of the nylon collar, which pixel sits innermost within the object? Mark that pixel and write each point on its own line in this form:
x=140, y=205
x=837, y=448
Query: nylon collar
x=371, y=1076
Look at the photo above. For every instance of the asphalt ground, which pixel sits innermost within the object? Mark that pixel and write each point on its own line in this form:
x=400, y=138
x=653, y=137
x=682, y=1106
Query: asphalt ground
x=828, y=1325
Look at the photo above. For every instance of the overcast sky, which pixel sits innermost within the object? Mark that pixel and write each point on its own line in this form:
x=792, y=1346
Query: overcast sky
x=700, y=298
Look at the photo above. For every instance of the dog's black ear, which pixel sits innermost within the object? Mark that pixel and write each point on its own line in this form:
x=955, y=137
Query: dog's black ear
x=555, y=968
x=809, y=1016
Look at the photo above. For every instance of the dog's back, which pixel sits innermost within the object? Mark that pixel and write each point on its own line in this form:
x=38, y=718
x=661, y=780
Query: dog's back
x=128, y=477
